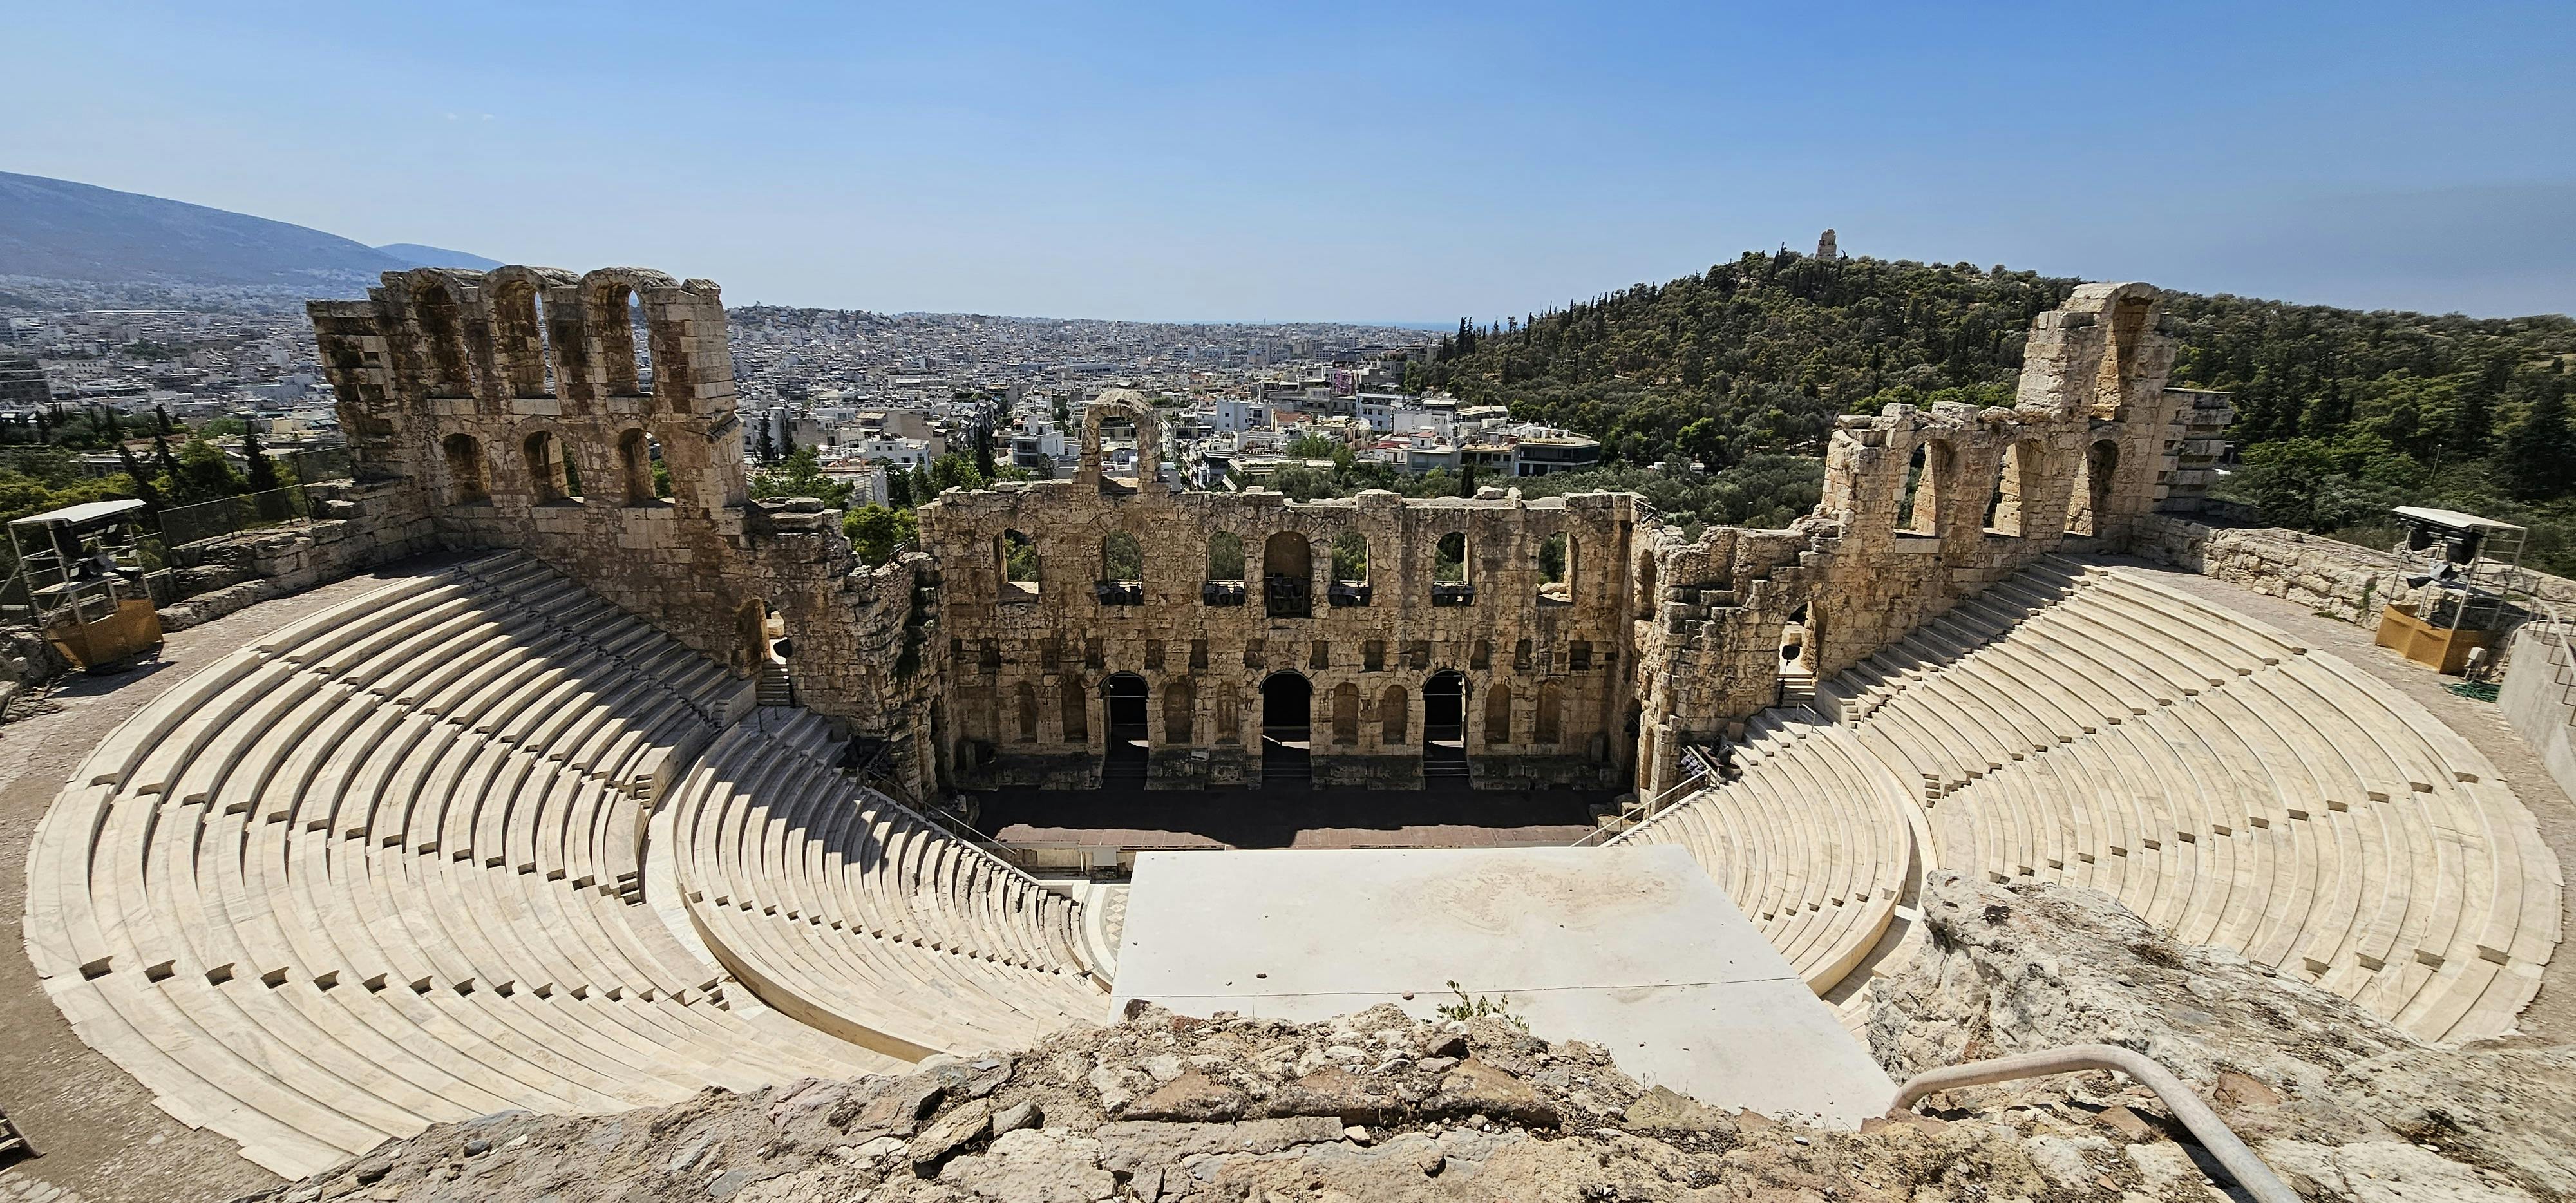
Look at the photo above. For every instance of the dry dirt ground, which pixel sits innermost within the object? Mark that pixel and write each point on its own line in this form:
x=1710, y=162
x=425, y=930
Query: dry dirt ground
x=96, y=1127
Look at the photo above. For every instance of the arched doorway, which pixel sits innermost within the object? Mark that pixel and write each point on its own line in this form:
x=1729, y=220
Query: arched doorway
x=1122, y=764
x=1287, y=730
x=1444, y=728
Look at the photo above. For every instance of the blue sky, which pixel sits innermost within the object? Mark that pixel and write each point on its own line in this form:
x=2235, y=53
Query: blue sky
x=1347, y=161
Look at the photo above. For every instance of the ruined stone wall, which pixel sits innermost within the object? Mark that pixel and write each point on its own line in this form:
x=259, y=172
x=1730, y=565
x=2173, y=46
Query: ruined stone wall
x=518, y=408
x=1547, y=679
x=1921, y=508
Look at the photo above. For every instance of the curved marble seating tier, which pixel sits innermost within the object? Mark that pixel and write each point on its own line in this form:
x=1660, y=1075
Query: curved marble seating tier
x=853, y=913
x=380, y=870
x=1812, y=841
x=2081, y=723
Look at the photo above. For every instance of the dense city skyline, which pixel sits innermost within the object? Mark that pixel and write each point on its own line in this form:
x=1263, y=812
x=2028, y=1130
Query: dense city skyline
x=1410, y=165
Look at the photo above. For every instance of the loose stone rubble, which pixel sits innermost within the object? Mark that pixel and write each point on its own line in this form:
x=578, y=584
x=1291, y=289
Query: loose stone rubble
x=1378, y=1106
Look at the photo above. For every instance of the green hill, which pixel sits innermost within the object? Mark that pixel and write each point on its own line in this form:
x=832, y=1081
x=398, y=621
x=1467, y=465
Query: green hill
x=2341, y=413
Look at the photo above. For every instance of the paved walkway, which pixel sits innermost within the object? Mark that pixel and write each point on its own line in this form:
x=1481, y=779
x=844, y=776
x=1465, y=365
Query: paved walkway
x=2551, y=1017
x=101, y=1136
x=1272, y=818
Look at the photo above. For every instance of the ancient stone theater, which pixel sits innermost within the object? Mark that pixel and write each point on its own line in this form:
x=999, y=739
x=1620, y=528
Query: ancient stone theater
x=589, y=796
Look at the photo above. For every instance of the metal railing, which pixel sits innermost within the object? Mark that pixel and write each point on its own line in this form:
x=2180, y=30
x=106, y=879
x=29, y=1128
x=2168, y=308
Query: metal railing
x=2213, y=1133
x=1703, y=772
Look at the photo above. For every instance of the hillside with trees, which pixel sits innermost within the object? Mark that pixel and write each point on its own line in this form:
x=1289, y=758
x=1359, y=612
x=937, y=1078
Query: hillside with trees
x=2341, y=413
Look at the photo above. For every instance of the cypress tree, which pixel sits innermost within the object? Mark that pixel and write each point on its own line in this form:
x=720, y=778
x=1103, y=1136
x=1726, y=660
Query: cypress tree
x=263, y=471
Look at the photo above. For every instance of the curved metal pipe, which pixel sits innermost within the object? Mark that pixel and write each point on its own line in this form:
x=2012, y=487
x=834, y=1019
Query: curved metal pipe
x=2249, y=1170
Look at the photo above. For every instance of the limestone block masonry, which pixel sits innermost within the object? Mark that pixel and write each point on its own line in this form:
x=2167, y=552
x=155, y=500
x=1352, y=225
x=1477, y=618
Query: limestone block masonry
x=1048, y=633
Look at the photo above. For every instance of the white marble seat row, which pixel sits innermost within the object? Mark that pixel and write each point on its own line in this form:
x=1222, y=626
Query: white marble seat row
x=855, y=914
x=2082, y=723
x=378, y=871
x=1812, y=841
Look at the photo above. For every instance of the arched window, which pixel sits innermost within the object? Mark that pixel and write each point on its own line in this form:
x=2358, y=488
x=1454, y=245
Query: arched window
x=1288, y=575
x=1556, y=569
x=1026, y=697
x=1394, y=707
x=613, y=327
x=1073, y=710
x=2101, y=465
x=1551, y=714
x=518, y=340
x=1449, y=583
x=1350, y=557
x=1121, y=560
x=635, y=465
x=1449, y=559
x=1016, y=561
x=467, y=477
x=1927, y=481
x=552, y=479
x=2110, y=385
x=1498, y=715
x=640, y=334
x=1350, y=580
x=443, y=332
x=1180, y=710
x=2017, y=487
x=1225, y=558
x=1650, y=597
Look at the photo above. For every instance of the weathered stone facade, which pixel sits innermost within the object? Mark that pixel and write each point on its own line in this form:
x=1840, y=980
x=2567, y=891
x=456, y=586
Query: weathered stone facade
x=512, y=408
x=1920, y=508
x=1546, y=669
x=1048, y=633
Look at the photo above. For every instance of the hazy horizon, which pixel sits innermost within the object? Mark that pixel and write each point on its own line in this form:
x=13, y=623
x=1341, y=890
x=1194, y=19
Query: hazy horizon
x=1153, y=162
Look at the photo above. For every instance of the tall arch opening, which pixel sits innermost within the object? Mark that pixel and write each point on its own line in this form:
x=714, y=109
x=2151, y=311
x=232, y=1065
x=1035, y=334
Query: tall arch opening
x=2119, y=356
x=1287, y=576
x=1394, y=708
x=1450, y=585
x=1444, y=728
x=1556, y=570
x=2010, y=511
x=1287, y=728
x=1124, y=709
x=635, y=467
x=442, y=329
x=1350, y=585
x=1928, y=474
x=469, y=479
x=1797, y=667
x=1015, y=564
x=2093, y=492
x=1122, y=571
x=551, y=478
x=1346, y=715
x=519, y=340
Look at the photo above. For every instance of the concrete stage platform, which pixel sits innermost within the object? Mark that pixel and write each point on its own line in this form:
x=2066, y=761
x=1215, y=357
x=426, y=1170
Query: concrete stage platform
x=1632, y=949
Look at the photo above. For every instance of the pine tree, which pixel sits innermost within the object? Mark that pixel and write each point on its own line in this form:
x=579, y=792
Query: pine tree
x=262, y=470
x=2539, y=456
x=143, y=489
x=898, y=488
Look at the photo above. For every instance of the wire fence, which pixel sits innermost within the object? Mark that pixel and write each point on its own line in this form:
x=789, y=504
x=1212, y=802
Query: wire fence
x=224, y=515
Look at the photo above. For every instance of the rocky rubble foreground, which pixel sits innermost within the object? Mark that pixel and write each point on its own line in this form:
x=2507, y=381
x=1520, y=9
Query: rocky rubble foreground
x=1380, y=1106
